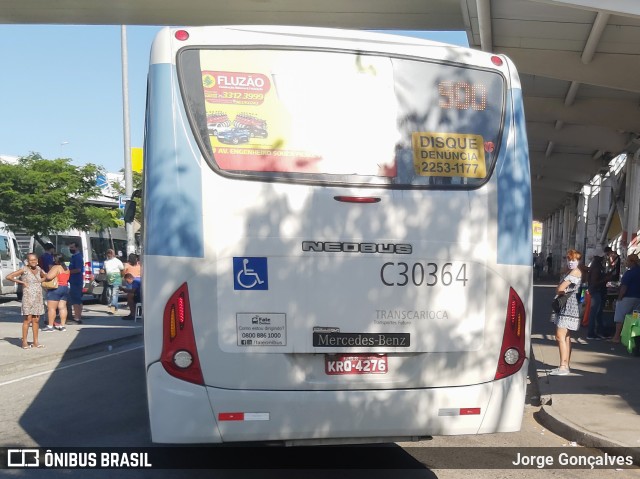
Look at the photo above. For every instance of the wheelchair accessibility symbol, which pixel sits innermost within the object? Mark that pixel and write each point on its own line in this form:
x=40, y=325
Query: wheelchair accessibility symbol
x=250, y=273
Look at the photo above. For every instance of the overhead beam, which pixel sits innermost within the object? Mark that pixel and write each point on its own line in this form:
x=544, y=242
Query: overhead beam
x=619, y=7
x=565, y=65
x=591, y=137
x=555, y=185
x=484, y=25
x=616, y=114
x=365, y=14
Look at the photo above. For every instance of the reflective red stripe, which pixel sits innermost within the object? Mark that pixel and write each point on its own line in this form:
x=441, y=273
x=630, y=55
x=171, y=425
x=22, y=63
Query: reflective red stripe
x=469, y=411
x=357, y=199
x=231, y=416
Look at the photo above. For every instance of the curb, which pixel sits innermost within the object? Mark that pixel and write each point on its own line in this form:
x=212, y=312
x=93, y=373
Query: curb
x=566, y=429
x=572, y=432
x=11, y=368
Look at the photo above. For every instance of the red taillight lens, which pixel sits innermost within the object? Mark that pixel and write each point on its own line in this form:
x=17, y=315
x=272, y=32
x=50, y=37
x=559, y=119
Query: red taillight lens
x=512, y=353
x=179, y=353
x=182, y=35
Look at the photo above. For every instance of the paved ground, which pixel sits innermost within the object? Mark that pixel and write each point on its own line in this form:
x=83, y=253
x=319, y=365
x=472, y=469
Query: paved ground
x=597, y=405
x=99, y=330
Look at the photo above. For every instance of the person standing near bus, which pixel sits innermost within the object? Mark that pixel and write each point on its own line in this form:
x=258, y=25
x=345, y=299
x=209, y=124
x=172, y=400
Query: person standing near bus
x=568, y=319
x=132, y=266
x=76, y=281
x=57, y=298
x=46, y=260
x=30, y=277
x=597, y=284
x=613, y=264
x=113, y=268
x=628, y=295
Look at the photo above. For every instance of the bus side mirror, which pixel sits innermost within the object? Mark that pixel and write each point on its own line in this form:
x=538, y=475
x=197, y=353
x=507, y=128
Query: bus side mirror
x=129, y=211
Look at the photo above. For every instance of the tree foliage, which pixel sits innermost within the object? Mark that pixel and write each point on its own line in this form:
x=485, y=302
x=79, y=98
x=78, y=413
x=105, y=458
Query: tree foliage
x=42, y=196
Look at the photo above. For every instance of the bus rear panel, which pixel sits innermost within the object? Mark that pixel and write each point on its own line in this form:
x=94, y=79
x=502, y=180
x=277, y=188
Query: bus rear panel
x=348, y=257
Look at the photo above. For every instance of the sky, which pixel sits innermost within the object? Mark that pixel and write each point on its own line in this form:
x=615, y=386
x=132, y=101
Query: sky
x=61, y=90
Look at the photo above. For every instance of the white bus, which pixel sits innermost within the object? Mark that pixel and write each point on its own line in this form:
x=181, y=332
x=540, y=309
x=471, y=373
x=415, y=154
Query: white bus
x=11, y=259
x=360, y=271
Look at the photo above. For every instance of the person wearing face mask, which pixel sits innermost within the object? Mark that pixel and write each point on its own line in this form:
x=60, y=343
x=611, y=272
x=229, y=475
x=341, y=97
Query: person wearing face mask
x=76, y=281
x=568, y=319
x=597, y=280
x=628, y=295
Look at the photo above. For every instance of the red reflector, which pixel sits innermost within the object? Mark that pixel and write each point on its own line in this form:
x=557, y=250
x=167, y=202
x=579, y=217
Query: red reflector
x=469, y=411
x=182, y=35
x=497, y=61
x=231, y=416
x=357, y=199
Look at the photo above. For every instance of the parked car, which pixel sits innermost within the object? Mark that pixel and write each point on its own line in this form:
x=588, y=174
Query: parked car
x=257, y=132
x=216, y=128
x=234, y=136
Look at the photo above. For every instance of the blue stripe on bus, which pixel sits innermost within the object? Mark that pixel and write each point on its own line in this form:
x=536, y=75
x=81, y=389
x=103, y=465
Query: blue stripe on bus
x=173, y=185
x=514, y=190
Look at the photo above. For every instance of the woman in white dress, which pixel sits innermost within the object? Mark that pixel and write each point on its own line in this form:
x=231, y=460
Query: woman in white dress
x=568, y=319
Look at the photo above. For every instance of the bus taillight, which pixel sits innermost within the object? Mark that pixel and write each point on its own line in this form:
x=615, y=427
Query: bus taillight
x=179, y=354
x=512, y=352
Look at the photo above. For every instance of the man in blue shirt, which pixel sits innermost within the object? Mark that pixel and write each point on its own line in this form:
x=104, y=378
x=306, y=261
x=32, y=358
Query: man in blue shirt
x=76, y=281
x=46, y=259
x=133, y=289
x=628, y=295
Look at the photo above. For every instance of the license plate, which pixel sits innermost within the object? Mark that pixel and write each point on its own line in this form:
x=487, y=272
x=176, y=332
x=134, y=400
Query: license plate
x=355, y=364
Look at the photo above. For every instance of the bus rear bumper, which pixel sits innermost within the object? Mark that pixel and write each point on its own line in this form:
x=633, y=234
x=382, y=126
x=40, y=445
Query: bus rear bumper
x=187, y=413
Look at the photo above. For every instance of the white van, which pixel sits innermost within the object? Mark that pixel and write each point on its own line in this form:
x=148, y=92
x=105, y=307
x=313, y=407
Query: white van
x=11, y=259
x=94, y=251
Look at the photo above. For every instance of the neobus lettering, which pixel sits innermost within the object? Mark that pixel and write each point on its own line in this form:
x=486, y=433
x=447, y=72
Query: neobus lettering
x=464, y=143
x=348, y=247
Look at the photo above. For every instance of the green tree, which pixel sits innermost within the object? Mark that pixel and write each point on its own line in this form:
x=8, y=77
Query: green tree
x=42, y=196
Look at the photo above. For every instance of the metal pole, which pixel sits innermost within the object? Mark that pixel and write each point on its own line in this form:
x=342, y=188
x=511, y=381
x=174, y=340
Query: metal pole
x=128, y=175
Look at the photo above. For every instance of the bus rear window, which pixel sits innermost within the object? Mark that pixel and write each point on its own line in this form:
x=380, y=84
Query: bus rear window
x=343, y=117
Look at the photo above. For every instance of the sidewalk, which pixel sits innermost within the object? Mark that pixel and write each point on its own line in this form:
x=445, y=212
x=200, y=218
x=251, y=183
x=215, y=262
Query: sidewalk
x=598, y=404
x=99, y=331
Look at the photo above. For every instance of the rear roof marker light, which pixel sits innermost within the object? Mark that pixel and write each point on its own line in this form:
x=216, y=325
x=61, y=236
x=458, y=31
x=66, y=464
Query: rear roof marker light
x=182, y=35
x=497, y=61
